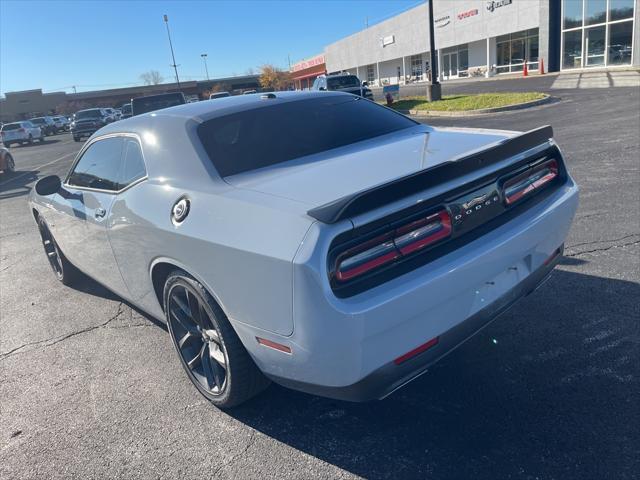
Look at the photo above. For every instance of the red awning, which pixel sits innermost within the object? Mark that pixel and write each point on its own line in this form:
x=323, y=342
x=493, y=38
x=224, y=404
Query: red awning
x=309, y=72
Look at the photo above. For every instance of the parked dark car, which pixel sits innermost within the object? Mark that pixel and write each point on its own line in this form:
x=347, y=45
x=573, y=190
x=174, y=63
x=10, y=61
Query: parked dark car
x=342, y=82
x=88, y=121
x=126, y=111
x=46, y=124
x=151, y=103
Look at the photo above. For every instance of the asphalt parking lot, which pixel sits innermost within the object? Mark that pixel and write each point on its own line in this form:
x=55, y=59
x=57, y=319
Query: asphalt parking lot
x=90, y=388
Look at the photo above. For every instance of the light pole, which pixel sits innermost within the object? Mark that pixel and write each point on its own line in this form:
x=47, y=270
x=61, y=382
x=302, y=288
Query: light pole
x=204, y=57
x=173, y=57
x=434, y=90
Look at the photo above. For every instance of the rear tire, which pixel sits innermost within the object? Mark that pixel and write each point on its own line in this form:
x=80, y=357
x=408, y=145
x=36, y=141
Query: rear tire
x=209, y=349
x=30, y=141
x=11, y=164
x=63, y=269
x=76, y=139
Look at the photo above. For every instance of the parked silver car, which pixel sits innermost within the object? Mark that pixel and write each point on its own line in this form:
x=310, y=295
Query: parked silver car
x=318, y=240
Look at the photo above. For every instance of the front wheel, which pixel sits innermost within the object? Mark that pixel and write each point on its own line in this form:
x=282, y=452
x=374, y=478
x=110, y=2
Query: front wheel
x=64, y=271
x=209, y=349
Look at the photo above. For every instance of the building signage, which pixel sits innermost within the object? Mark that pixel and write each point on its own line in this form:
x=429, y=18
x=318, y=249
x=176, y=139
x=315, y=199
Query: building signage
x=467, y=14
x=491, y=6
x=388, y=40
x=442, y=21
x=311, y=62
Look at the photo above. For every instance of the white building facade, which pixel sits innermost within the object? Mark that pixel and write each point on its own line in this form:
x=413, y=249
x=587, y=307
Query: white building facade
x=478, y=38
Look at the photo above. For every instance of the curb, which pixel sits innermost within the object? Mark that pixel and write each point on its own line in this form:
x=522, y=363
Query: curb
x=482, y=111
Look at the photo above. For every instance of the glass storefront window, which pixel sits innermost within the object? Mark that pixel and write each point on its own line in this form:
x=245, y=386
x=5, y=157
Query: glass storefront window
x=371, y=76
x=463, y=61
x=517, y=51
x=512, y=51
x=620, y=9
x=608, y=43
x=532, y=49
x=620, y=43
x=572, y=51
x=595, y=11
x=416, y=66
x=594, y=45
x=572, y=13
x=504, y=54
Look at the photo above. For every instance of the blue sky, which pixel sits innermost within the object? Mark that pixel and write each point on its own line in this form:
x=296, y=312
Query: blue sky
x=94, y=45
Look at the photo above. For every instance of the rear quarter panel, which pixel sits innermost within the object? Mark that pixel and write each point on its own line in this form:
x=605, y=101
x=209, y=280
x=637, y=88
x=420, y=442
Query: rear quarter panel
x=239, y=244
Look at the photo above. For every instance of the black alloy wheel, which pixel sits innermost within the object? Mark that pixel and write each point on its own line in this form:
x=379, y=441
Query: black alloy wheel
x=210, y=351
x=64, y=271
x=11, y=164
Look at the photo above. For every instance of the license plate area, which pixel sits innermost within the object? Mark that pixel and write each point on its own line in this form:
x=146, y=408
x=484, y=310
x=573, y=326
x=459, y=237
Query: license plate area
x=495, y=287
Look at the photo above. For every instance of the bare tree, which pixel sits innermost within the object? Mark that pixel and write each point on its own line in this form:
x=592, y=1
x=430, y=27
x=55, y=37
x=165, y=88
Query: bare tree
x=152, y=77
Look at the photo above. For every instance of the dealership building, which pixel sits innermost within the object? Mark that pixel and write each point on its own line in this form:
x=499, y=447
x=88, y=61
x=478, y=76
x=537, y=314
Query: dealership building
x=478, y=38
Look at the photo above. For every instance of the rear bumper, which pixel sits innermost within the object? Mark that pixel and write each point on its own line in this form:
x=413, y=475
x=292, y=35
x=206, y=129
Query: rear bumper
x=345, y=347
x=390, y=377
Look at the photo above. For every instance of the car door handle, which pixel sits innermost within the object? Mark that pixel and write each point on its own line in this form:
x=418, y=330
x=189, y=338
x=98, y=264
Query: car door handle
x=99, y=212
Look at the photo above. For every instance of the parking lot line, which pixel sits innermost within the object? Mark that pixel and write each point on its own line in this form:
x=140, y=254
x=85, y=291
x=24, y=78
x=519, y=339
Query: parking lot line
x=41, y=166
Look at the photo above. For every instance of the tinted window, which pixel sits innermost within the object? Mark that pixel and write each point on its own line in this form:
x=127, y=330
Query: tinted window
x=99, y=165
x=133, y=166
x=572, y=13
x=37, y=121
x=156, y=102
x=279, y=132
x=345, y=81
x=88, y=114
x=620, y=9
x=11, y=126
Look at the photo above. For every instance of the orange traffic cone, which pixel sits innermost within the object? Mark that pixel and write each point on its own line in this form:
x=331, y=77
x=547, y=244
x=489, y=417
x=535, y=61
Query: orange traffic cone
x=525, y=71
x=542, y=66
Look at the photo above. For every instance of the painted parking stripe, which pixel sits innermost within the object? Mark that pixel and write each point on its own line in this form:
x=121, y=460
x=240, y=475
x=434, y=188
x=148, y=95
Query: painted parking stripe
x=39, y=167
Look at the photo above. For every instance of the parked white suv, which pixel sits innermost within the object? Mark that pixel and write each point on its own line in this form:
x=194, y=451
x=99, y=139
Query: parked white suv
x=21, y=132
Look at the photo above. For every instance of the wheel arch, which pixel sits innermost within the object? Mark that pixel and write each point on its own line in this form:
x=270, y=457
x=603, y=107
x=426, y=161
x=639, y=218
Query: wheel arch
x=160, y=270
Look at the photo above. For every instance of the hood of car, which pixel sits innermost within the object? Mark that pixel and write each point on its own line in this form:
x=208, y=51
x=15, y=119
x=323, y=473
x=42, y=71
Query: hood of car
x=328, y=176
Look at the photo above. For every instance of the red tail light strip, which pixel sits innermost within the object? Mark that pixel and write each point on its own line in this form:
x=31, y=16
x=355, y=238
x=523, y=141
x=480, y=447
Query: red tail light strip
x=398, y=243
x=417, y=350
x=529, y=181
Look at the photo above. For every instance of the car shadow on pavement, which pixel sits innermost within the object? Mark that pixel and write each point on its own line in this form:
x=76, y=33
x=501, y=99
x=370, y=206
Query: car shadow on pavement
x=88, y=285
x=546, y=391
x=16, y=184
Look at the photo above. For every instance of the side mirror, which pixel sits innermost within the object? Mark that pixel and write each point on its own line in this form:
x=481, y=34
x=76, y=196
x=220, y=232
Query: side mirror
x=365, y=84
x=48, y=185
x=321, y=88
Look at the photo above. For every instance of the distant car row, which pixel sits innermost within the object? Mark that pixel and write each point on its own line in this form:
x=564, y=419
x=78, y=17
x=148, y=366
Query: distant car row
x=26, y=131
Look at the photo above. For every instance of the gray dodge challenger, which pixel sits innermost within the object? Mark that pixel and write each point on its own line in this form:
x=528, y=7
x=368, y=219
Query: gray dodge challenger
x=314, y=239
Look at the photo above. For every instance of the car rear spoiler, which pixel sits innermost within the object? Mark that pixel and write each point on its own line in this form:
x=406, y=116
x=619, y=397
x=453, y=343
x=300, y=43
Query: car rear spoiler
x=366, y=200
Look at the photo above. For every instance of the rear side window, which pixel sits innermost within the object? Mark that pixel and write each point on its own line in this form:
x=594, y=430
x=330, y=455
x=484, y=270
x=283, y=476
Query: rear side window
x=273, y=134
x=99, y=165
x=133, y=163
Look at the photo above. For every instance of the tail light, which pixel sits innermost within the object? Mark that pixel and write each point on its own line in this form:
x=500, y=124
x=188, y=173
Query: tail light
x=393, y=245
x=529, y=181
